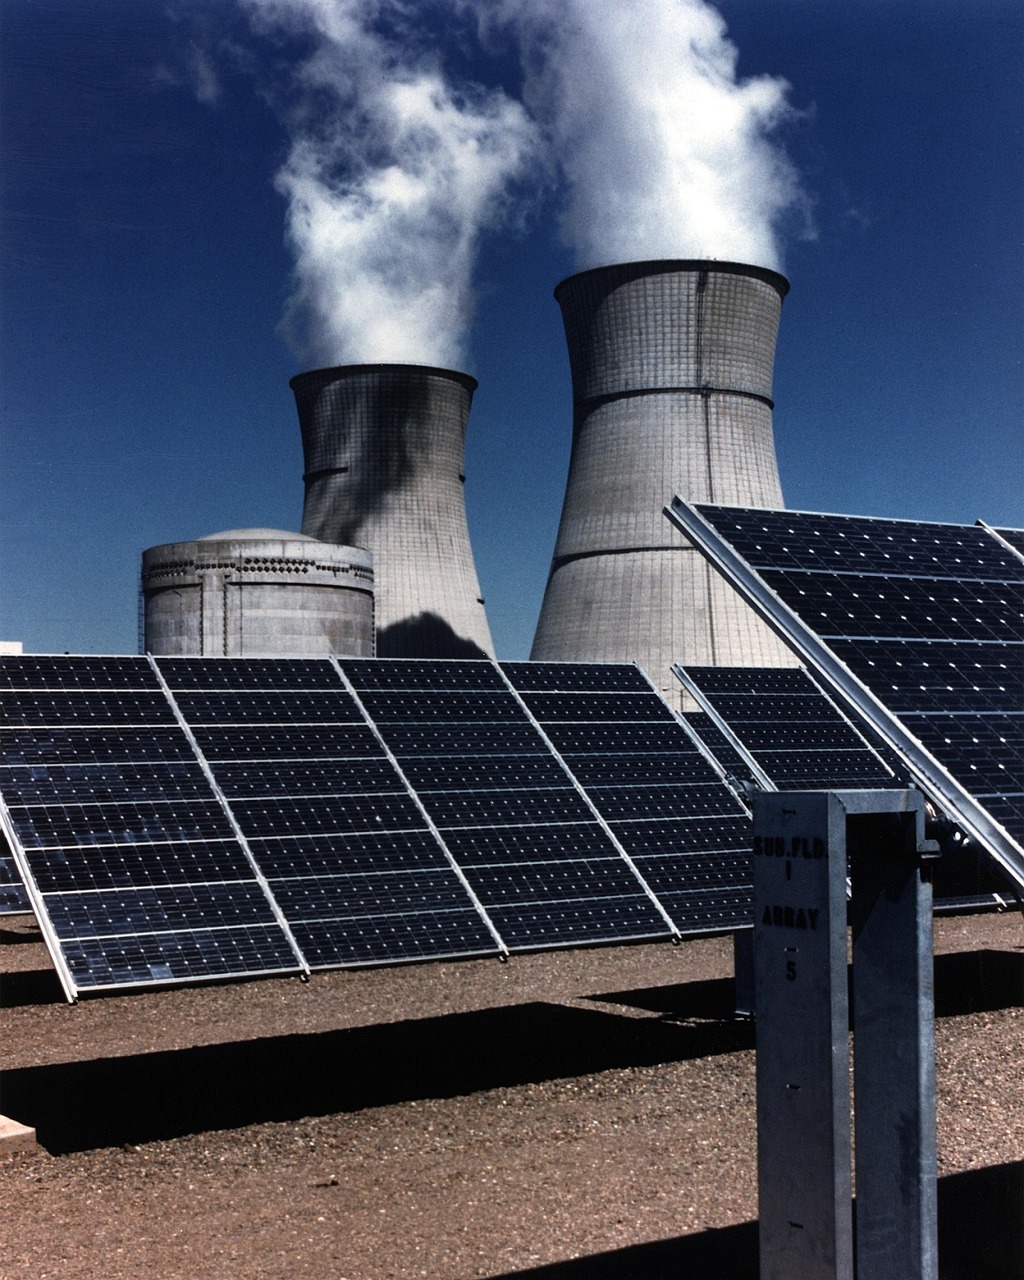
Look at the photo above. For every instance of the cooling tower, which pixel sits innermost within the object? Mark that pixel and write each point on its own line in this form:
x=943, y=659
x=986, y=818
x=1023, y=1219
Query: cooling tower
x=672, y=379
x=257, y=592
x=383, y=448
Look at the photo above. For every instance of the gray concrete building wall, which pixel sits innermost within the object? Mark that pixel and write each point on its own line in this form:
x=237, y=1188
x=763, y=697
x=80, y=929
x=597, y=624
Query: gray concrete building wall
x=251, y=592
x=383, y=448
x=671, y=366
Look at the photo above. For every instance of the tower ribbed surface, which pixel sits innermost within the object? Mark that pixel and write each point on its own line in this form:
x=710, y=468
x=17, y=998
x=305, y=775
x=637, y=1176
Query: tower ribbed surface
x=384, y=448
x=672, y=381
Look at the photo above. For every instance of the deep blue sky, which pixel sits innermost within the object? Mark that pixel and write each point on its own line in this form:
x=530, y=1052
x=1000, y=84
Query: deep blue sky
x=144, y=275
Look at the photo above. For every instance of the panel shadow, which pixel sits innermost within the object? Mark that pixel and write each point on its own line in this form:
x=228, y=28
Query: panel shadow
x=965, y=982
x=135, y=1099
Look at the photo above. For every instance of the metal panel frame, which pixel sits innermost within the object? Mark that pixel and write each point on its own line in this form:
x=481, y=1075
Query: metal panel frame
x=1005, y=543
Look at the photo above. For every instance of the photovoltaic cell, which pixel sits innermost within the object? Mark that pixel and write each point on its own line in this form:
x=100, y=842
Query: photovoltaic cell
x=663, y=802
x=244, y=673
x=570, y=677
x=284, y=742
x=64, y=746
x=424, y=675
x=926, y=617
x=530, y=847
x=137, y=870
x=112, y=783
x=45, y=672
x=125, y=866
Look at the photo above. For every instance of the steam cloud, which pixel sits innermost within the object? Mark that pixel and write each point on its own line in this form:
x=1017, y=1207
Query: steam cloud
x=395, y=171
x=392, y=175
x=665, y=152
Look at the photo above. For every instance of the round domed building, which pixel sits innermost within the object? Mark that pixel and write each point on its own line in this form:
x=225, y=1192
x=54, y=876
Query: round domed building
x=257, y=592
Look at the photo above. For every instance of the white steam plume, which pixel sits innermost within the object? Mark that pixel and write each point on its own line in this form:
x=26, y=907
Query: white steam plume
x=665, y=152
x=391, y=178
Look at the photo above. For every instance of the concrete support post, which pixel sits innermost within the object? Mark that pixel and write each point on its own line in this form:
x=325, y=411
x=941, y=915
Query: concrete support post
x=894, y=1053
x=803, y=1080
x=804, y=844
x=743, y=972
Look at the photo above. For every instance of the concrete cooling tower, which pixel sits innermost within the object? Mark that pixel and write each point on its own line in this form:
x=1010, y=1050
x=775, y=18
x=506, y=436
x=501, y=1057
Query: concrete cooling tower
x=383, y=448
x=671, y=368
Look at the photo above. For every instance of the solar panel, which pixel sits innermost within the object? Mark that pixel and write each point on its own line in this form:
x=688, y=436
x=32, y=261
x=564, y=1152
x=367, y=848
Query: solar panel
x=540, y=862
x=916, y=628
x=132, y=865
x=347, y=852
x=185, y=818
x=665, y=805
x=793, y=737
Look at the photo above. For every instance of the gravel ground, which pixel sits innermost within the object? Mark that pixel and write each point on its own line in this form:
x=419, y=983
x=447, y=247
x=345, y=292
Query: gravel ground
x=572, y=1115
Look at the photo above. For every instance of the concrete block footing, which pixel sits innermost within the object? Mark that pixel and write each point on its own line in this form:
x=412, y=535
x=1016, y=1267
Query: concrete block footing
x=16, y=1138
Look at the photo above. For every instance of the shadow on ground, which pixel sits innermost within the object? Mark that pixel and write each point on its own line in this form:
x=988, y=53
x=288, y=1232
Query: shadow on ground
x=133, y=1099
x=111, y=1101
x=965, y=982
x=980, y=1238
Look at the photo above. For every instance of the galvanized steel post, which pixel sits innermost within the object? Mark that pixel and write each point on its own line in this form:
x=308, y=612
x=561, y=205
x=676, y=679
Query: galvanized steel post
x=804, y=844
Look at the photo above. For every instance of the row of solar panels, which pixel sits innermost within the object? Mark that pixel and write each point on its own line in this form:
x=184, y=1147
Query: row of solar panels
x=179, y=819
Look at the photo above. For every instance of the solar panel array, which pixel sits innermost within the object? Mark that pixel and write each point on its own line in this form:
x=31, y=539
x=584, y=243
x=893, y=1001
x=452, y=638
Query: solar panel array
x=926, y=617
x=188, y=818
x=794, y=737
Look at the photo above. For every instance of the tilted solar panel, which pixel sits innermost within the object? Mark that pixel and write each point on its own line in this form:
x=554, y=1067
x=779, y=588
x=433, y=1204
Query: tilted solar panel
x=543, y=867
x=131, y=863
x=667, y=808
x=346, y=850
x=793, y=736
x=915, y=627
x=186, y=818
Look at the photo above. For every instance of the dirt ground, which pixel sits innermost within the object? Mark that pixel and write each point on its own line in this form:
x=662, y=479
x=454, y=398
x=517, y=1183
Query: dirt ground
x=578, y=1115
